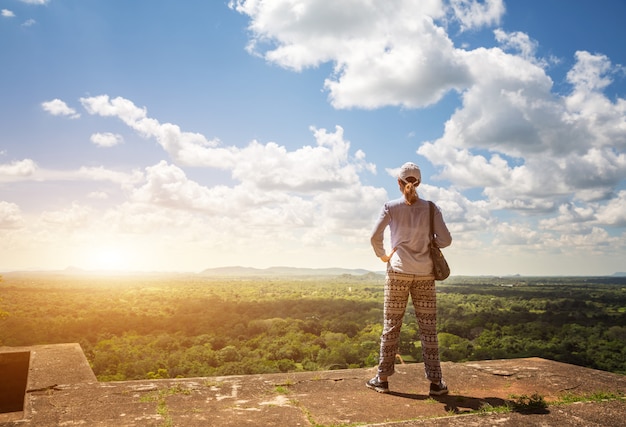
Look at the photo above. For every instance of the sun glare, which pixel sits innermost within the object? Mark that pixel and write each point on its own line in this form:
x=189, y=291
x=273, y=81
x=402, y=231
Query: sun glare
x=109, y=259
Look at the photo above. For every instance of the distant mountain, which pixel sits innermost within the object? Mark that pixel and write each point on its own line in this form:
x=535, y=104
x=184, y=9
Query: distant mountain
x=619, y=274
x=280, y=271
x=234, y=271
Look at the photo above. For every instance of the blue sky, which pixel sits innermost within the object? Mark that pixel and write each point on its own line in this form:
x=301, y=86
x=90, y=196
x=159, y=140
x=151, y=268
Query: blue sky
x=179, y=136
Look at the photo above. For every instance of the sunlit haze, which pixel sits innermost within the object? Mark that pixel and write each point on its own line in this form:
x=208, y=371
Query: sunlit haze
x=179, y=136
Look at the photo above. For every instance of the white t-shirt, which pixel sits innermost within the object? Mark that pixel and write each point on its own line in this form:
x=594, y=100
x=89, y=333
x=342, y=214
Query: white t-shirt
x=410, y=235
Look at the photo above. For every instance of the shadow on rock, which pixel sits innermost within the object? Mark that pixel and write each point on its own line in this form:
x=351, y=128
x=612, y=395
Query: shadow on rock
x=461, y=404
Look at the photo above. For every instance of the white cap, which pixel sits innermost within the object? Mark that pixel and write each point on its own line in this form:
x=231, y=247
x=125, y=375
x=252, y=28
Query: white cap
x=410, y=169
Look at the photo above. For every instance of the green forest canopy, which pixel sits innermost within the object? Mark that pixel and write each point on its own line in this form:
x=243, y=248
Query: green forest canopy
x=161, y=326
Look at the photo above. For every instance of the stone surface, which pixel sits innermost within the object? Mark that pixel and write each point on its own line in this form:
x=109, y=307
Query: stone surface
x=327, y=398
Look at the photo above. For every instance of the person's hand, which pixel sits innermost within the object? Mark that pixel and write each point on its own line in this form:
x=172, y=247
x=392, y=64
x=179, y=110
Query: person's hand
x=386, y=258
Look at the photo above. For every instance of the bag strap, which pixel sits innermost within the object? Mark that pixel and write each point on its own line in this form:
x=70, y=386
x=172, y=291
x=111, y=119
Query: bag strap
x=432, y=214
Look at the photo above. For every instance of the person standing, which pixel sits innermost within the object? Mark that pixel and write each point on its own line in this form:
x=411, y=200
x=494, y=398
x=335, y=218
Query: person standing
x=409, y=272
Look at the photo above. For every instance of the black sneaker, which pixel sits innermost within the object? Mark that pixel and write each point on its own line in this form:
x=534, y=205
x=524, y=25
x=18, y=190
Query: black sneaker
x=438, y=389
x=378, y=385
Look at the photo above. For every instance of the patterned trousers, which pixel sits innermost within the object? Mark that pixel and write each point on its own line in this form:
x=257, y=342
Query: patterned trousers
x=398, y=287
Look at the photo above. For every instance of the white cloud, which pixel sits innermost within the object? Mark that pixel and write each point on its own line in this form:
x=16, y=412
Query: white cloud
x=10, y=215
x=339, y=209
x=106, y=139
x=36, y=2
x=56, y=107
x=102, y=174
x=524, y=144
x=325, y=166
x=383, y=54
x=169, y=219
x=7, y=13
x=98, y=195
x=20, y=168
x=70, y=219
x=614, y=212
x=590, y=72
x=553, y=159
x=305, y=33
x=529, y=148
x=373, y=45
x=28, y=171
x=268, y=166
x=595, y=241
x=187, y=148
x=515, y=235
x=601, y=120
x=308, y=197
x=475, y=14
x=570, y=216
x=167, y=185
x=519, y=43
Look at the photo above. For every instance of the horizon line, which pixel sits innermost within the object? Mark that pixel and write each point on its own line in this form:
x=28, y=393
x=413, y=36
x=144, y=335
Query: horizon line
x=77, y=270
